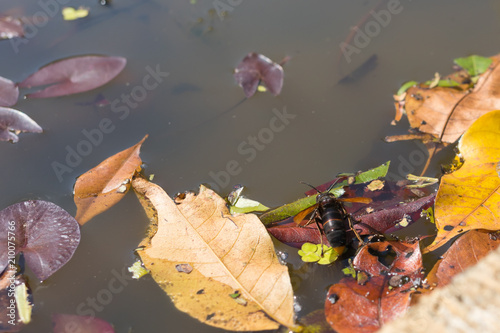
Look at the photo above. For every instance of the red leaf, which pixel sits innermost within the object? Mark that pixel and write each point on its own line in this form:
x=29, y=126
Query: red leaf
x=289, y=233
x=353, y=307
x=13, y=120
x=9, y=92
x=45, y=233
x=10, y=28
x=64, y=323
x=74, y=75
x=255, y=68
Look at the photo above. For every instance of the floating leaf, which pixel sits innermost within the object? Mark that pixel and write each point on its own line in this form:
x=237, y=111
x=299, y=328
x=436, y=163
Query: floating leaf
x=13, y=121
x=320, y=253
x=64, y=323
x=447, y=112
x=10, y=27
x=9, y=92
x=45, y=233
x=245, y=205
x=74, y=75
x=137, y=270
x=256, y=68
x=469, y=198
x=474, y=65
x=405, y=86
x=102, y=187
x=464, y=253
x=227, y=254
x=70, y=13
x=392, y=270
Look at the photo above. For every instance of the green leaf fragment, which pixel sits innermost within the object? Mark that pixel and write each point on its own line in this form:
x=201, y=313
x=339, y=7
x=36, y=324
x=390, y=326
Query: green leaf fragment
x=245, y=205
x=474, y=65
x=372, y=174
x=429, y=213
x=406, y=86
x=137, y=270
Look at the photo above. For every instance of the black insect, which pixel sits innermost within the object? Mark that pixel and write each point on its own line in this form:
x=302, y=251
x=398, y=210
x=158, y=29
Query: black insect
x=331, y=214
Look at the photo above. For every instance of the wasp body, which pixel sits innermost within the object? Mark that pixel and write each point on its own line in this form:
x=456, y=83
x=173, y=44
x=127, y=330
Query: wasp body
x=332, y=215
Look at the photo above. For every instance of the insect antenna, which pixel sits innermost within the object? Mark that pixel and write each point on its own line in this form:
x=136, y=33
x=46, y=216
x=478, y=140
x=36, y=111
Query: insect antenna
x=314, y=188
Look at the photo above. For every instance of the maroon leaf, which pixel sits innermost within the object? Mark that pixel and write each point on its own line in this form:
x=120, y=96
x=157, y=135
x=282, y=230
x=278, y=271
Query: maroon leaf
x=13, y=120
x=9, y=92
x=45, y=233
x=74, y=75
x=64, y=323
x=289, y=233
x=10, y=27
x=255, y=68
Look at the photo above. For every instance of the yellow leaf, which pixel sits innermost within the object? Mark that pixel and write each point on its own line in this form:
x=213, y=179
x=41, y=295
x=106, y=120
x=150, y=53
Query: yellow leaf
x=227, y=254
x=70, y=13
x=469, y=198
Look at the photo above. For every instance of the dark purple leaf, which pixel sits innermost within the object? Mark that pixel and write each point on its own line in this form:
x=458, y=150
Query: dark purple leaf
x=12, y=121
x=10, y=27
x=74, y=75
x=64, y=323
x=46, y=234
x=255, y=68
x=9, y=92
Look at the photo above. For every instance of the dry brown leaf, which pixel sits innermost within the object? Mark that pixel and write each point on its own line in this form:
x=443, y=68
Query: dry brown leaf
x=465, y=252
x=99, y=188
x=228, y=254
x=447, y=112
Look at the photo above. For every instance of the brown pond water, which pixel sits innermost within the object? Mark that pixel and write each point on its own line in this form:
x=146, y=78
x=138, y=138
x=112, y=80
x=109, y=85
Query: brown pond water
x=331, y=127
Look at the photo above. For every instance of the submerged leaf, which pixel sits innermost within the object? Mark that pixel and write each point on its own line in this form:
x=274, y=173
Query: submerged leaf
x=256, y=68
x=9, y=92
x=226, y=253
x=10, y=27
x=469, y=198
x=102, y=187
x=45, y=233
x=74, y=75
x=12, y=121
x=64, y=323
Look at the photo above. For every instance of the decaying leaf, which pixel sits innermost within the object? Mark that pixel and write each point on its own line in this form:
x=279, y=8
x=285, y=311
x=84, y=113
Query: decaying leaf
x=102, y=187
x=64, y=323
x=469, y=198
x=227, y=254
x=391, y=271
x=74, y=75
x=13, y=121
x=9, y=92
x=256, y=68
x=463, y=253
x=45, y=233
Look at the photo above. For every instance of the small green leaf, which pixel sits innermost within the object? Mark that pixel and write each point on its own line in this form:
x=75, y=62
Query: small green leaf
x=406, y=86
x=372, y=174
x=312, y=253
x=329, y=255
x=22, y=302
x=429, y=212
x=245, y=205
x=474, y=65
x=350, y=270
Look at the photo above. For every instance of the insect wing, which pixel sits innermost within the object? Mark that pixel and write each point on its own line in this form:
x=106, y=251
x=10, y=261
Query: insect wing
x=302, y=214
